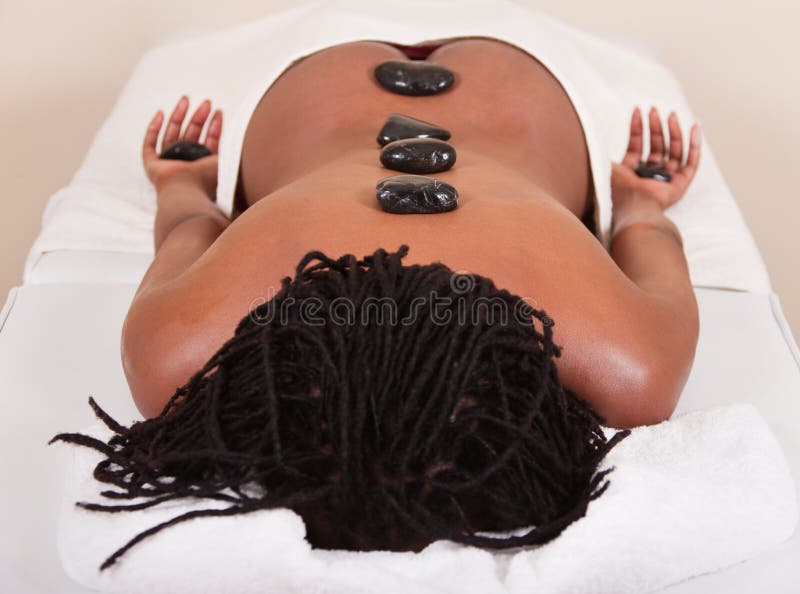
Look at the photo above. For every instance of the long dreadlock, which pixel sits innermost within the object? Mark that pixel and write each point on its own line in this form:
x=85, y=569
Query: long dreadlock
x=381, y=434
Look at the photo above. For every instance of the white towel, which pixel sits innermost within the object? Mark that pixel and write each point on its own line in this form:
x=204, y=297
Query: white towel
x=691, y=495
x=109, y=205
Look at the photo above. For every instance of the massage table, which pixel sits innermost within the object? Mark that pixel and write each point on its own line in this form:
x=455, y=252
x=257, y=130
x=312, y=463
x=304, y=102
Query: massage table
x=59, y=330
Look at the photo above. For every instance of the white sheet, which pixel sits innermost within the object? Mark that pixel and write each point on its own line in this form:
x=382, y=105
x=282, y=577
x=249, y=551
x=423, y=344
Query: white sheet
x=89, y=266
x=109, y=205
x=60, y=343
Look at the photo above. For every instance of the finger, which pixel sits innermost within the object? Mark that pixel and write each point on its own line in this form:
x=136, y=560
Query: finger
x=675, y=143
x=693, y=158
x=214, y=132
x=151, y=137
x=683, y=177
x=658, y=150
x=173, y=131
x=633, y=153
x=198, y=120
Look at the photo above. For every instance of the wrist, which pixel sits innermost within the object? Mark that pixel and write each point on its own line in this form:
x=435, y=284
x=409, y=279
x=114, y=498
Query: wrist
x=642, y=211
x=634, y=206
x=632, y=196
x=182, y=192
x=183, y=180
x=664, y=226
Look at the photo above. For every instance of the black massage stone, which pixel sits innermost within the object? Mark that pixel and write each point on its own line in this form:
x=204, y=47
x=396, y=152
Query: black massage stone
x=415, y=194
x=656, y=172
x=185, y=150
x=405, y=77
x=398, y=126
x=418, y=155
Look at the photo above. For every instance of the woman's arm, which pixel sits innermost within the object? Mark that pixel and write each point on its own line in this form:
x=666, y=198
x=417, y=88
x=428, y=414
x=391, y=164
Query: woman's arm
x=645, y=244
x=187, y=223
x=648, y=248
x=187, y=220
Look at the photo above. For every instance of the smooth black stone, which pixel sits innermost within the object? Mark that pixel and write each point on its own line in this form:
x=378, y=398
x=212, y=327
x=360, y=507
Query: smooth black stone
x=399, y=126
x=656, y=172
x=418, y=155
x=415, y=194
x=413, y=78
x=185, y=150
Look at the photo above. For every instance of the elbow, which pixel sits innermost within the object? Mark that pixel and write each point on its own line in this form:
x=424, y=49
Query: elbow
x=162, y=348
x=645, y=369
x=152, y=377
x=650, y=403
x=650, y=393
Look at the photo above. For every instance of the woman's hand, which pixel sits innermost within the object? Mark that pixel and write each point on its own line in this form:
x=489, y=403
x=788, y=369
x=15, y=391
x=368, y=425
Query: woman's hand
x=202, y=171
x=626, y=184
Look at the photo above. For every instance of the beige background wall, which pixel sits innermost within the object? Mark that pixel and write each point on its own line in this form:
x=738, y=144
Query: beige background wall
x=62, y=65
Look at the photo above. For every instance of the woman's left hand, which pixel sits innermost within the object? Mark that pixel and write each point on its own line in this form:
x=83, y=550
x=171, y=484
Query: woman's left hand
x=625, y=183
x=202, y=171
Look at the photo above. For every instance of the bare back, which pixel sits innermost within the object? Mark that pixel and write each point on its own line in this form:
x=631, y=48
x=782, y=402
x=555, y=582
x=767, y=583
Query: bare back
x=310, y=162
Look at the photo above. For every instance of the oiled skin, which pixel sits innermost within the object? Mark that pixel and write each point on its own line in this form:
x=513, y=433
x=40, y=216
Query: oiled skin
x=627, y=321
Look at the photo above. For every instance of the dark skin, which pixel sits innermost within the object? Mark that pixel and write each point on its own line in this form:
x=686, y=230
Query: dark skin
x=626, y=319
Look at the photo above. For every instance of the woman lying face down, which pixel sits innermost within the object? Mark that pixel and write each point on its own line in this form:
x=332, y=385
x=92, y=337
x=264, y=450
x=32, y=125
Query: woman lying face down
x=400, y=378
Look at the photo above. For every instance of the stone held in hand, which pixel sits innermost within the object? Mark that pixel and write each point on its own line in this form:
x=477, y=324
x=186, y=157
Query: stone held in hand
x=416, y=78
x=415, y=194
x=653, y=171
x=398, y=126
x=185, y=150
x=418, y=155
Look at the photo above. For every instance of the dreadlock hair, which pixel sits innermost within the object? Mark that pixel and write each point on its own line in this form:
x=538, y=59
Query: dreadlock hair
x=381, y=434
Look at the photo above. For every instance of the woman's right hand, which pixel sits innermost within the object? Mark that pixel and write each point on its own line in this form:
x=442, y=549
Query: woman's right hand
x=202, y=171
x=626, y=185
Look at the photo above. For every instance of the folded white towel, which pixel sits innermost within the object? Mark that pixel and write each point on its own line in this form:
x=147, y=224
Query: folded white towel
x=692, y=495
